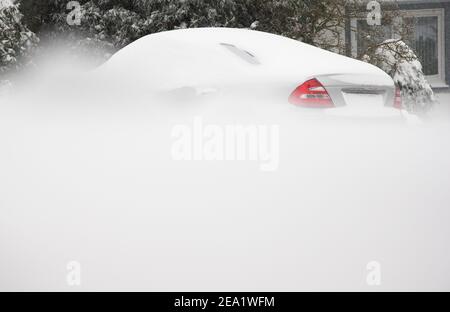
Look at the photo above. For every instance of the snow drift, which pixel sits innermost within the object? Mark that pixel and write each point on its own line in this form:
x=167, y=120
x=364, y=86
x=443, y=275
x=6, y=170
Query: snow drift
x=88, y=175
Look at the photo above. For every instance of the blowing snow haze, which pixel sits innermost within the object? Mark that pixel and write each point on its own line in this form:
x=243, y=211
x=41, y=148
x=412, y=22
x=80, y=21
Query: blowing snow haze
x=89, y=174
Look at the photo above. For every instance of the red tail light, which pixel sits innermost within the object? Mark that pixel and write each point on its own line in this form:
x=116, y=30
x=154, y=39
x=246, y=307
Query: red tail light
x=311, y=94
x=398, y=98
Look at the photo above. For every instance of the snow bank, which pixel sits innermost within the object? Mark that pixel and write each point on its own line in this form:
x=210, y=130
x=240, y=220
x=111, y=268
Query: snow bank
x=89, y=176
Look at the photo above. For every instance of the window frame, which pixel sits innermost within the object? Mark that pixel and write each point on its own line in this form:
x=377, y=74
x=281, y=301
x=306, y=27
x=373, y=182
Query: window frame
x=439, y=79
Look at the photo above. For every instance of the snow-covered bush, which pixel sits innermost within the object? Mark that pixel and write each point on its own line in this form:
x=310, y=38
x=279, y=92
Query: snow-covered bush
x=16, y=40
x=96, y=36
x=171, y=14
x=119, y=22
x=108, y=25
x=123, y=21
x=398, y=60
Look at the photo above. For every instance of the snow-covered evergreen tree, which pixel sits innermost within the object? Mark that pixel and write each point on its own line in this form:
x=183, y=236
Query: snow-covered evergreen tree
x=16, y=40
x=398, y=60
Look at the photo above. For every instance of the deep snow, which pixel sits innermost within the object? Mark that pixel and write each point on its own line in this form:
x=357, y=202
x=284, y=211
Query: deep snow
x=442, y=110
x=89, y=177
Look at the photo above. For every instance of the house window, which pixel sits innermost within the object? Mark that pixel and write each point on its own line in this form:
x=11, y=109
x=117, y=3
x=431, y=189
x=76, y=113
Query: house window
x=427, y=40
x=424, y=42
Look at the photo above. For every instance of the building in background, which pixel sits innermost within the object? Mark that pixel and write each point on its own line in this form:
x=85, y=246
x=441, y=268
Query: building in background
x=429, y=38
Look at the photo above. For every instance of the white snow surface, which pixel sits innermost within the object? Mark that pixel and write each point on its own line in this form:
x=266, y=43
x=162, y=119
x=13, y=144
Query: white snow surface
x=87, y=175
x=196, y=57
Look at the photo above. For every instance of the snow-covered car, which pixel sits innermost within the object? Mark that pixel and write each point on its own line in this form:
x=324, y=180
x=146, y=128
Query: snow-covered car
x=254, y=65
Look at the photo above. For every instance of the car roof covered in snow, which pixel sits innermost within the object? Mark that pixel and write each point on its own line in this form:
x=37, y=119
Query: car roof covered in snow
x=195, y=56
